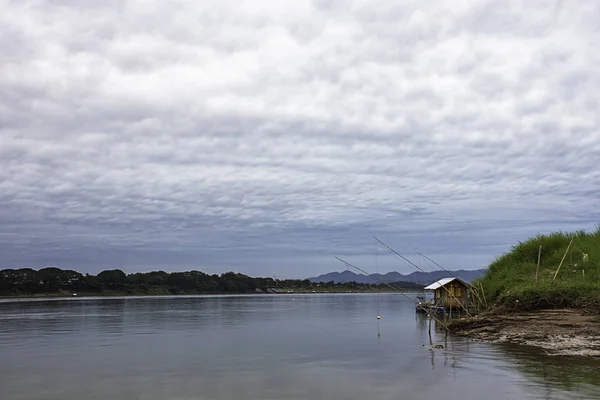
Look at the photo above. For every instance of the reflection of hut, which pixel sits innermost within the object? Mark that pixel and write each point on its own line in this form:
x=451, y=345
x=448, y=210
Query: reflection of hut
x=448, y=292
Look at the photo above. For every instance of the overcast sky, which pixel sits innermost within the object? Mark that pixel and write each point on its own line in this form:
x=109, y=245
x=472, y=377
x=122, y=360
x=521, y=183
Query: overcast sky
x=267, y=137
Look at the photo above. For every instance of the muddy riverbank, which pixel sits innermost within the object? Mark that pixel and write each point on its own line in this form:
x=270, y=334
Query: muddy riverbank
x=560, y=332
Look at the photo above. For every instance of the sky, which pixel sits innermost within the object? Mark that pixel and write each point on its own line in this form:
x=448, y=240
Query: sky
x=267, y=137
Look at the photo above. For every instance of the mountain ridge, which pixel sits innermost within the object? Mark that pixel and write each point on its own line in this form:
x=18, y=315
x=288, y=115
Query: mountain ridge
x=394, y=276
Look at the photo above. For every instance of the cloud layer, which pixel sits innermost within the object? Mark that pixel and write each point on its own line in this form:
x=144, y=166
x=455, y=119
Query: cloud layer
x=266, y=137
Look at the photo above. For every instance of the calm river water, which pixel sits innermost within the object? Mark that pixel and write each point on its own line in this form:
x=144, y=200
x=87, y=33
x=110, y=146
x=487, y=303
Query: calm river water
x=262, y=347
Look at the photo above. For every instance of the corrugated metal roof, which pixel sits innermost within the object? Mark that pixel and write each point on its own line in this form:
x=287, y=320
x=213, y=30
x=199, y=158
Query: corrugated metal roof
x=443, y=282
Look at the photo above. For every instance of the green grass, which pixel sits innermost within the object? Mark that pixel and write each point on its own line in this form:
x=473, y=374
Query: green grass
x=509, y=282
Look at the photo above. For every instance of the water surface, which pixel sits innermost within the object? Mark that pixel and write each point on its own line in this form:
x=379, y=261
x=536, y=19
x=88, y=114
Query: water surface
x=263, y=347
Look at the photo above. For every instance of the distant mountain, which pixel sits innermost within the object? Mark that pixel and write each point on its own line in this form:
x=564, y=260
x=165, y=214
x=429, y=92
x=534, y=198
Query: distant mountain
x=416, y=277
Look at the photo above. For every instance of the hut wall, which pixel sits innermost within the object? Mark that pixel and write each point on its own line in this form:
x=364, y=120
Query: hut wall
x=442, y=297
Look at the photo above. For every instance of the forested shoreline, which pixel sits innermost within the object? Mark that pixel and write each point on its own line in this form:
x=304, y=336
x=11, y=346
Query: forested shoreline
x=56, y=281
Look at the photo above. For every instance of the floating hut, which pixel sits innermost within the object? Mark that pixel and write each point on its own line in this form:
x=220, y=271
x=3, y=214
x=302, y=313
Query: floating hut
x=448, y=292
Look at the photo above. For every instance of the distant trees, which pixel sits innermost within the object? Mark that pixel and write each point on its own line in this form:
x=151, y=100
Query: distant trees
x=27, y=281
x=113, y=279
x=46, y=280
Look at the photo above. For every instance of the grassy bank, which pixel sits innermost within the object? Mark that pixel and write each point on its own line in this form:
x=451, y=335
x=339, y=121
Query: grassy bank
x=510, y=282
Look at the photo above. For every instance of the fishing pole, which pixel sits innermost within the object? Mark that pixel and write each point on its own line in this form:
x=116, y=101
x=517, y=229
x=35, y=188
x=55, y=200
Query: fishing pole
x=428, y=274
x=393, y=288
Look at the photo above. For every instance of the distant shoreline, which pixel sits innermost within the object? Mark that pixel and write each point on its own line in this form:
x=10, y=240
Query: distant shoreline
x=52, y=282
x=283, y=292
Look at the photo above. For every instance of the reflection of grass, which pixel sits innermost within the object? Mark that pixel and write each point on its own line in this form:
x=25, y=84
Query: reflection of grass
x=569, y=373
x=509, y=282
x=573, y=374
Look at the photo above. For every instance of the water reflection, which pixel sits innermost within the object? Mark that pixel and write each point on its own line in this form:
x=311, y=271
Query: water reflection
x=545, y=376
x=262, y=347
x=575, y=374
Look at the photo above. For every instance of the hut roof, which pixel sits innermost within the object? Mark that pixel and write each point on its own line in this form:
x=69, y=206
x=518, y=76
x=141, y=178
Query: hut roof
x=444, y=282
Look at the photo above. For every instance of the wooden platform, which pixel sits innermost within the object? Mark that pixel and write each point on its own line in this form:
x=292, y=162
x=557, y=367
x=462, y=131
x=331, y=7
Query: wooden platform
x=428, y=308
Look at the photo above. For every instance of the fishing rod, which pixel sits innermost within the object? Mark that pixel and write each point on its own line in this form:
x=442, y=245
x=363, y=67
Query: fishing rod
x=393, y=288
x=450, y=275
x=438, y=265
x=428, y=274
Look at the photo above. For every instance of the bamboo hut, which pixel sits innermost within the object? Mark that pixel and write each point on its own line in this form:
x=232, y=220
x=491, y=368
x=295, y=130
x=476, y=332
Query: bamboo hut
x=450, y=292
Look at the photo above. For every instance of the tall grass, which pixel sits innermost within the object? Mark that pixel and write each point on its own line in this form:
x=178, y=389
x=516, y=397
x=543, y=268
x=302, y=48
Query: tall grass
x=509, y=282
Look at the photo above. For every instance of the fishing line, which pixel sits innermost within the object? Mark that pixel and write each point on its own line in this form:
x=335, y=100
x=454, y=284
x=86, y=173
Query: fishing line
x=378, y=289
x=431, y=315
x=377, y=268
x=428, y=274
x=474, y=290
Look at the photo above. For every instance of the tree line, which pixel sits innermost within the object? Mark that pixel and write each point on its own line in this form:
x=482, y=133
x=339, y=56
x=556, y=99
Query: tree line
x=47, y=281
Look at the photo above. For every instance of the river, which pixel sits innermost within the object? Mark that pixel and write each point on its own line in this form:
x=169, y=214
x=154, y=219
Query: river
x=287, y=346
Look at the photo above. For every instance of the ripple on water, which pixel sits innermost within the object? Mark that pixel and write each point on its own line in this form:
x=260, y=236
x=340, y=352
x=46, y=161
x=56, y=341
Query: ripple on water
x=263, y=347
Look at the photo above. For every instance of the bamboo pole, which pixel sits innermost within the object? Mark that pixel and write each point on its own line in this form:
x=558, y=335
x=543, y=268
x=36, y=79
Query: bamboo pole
x=483, y=294
x=429, y=331
x=561, y=262
x=537, y=270
x=446, y=339
x=475, y=292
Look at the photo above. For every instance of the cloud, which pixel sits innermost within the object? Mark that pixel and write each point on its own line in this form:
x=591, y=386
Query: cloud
x=267, y=138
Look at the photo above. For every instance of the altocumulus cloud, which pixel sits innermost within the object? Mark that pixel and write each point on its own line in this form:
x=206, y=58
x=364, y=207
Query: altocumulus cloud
x=266, y=137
